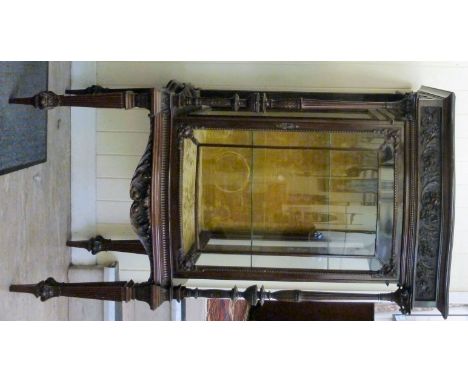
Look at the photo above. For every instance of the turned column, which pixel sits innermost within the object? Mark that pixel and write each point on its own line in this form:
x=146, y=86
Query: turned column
x=111, y=99
x=253, y=295
x=148, y=292
x=155, y=295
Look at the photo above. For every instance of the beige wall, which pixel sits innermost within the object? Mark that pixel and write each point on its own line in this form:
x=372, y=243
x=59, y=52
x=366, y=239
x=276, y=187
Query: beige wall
x=121, y=135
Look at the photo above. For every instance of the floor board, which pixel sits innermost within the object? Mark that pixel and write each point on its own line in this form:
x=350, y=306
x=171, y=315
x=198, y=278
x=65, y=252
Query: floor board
x=35, y=219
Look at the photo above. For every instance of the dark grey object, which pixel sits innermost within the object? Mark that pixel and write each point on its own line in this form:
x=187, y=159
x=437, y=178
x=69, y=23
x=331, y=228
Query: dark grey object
x=23, y=131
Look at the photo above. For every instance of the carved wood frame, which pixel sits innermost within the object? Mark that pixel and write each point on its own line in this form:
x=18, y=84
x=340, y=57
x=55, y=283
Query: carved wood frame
x=406, y=110
x=388, y=126
x=435, y=116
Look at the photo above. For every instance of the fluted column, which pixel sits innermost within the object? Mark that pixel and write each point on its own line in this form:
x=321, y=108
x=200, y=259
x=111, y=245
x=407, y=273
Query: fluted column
x=125, y=291
x=112, y=100
x=253, y=295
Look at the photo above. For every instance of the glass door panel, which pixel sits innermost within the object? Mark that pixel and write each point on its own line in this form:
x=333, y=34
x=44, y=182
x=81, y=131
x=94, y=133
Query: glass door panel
x=287, y=199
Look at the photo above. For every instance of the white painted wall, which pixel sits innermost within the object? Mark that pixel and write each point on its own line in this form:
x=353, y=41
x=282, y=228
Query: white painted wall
x=121, y=139
x=83, y=165
x=121, y=135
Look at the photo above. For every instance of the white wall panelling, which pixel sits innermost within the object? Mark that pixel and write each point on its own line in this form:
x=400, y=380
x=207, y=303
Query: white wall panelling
x=122, y=136
x=112, y=212
x=116, y=166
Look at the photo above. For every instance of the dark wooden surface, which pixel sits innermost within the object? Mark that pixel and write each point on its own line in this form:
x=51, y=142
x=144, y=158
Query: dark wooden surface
x=312, y=311
x=23, y=131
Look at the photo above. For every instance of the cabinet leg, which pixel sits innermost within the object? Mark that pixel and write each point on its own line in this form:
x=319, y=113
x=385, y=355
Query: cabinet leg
x=98, y=244
x=148, y=292
x=122, y=99
x=253, y=295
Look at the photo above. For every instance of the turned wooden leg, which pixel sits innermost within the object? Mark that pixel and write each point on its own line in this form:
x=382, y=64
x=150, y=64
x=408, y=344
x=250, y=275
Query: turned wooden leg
x=253, y=295
x=148, y=292
x=98, y=244
x=122, y=99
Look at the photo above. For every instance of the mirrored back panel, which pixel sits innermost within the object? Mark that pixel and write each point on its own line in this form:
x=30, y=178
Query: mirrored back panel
x=287, y=199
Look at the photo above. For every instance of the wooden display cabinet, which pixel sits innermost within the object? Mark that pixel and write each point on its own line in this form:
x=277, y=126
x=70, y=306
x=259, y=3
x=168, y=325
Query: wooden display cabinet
x=284, y=186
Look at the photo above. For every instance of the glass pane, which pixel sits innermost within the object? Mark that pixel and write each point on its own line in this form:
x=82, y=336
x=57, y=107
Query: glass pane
x=287, y=199
x=315, y=198
x=224, y=192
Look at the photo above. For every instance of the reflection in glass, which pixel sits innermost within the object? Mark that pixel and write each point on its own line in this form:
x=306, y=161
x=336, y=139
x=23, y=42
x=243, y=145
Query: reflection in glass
x=282, y=199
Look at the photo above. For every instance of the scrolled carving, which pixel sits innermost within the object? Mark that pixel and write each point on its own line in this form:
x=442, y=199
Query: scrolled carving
x=393, y=137
x=186, y=93
x=186, y=132
x=430, y=203
x=387, y=271
x=402, y=297
x=408, y=106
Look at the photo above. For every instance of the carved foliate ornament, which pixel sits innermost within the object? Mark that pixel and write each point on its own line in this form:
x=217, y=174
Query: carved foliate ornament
x=46, y=100
x=430, y=203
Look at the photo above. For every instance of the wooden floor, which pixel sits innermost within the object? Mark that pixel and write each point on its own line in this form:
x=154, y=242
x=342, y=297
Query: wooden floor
x=35, y=219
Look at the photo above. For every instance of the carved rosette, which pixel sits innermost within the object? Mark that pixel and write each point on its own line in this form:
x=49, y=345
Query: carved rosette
x=388, y=270
x=46, y=100
x=186, y=94
x=186, y=132
x=187, y=261
x=47, y=289
x=430, y=203
x=97, y=244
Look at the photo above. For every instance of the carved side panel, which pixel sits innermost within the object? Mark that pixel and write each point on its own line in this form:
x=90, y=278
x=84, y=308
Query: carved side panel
x=430, y=203
x=140, y=189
